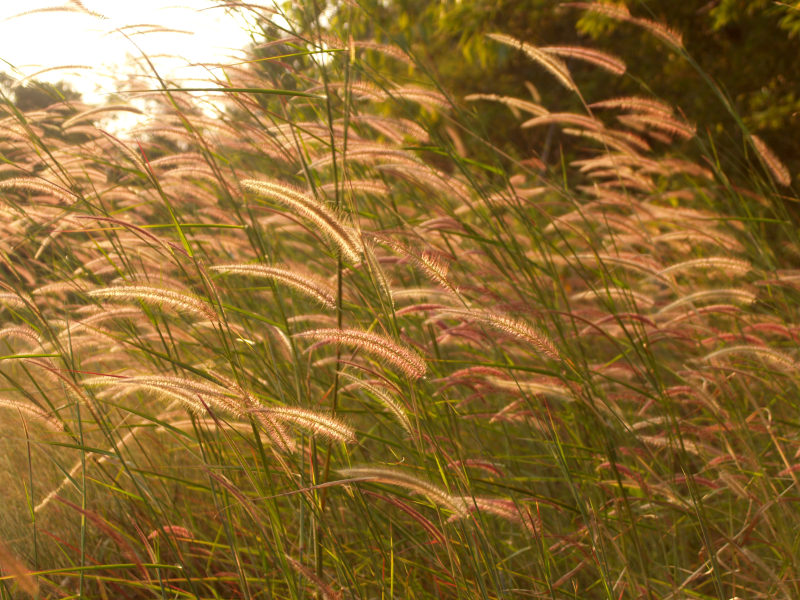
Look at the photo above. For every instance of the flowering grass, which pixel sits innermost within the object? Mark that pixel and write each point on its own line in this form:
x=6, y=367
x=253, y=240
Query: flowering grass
x=284, y=353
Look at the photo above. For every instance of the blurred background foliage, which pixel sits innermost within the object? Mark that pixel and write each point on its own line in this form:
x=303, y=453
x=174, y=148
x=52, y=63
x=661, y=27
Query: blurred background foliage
x=749, y=50
x=35, y=94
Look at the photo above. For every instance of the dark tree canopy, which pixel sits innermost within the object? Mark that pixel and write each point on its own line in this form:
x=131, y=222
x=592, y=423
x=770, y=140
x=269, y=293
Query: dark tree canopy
x=35, y=94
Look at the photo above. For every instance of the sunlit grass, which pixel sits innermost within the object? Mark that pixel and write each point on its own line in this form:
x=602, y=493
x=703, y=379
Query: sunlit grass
x=313, y=348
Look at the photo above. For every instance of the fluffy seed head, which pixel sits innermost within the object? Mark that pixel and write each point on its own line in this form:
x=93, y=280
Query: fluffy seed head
x=773, y=163
x=176, y=300
x=550, y=62
x=315, y=422
x=435, y=494
x=384, y=398
x=408, y=361
x=514, y=327
x=310, y=209
x=306, y=284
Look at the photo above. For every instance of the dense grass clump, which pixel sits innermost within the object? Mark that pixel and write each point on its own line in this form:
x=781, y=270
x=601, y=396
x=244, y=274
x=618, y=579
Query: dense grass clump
x=311, y=347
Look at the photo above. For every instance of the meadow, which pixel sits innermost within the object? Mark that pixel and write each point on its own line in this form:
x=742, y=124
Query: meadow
x=333, y=343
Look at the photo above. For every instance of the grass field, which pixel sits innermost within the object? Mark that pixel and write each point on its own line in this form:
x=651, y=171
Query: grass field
x=313, y=347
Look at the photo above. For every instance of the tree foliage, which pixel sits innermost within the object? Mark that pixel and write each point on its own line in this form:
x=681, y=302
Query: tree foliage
x=36, y=94
x=744, y=51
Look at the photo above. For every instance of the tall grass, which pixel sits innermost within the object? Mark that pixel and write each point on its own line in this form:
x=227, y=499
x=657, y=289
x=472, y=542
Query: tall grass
x=312, y=348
